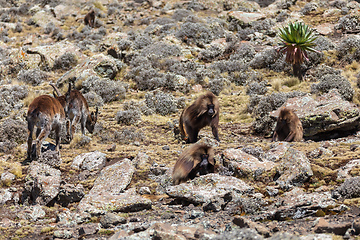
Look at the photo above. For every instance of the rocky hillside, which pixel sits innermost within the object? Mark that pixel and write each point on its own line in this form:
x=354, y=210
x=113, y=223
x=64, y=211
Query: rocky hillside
x=140, y=64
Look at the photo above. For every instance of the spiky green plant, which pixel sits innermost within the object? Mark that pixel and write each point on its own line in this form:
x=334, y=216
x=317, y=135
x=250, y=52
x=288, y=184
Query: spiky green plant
x=296, y=40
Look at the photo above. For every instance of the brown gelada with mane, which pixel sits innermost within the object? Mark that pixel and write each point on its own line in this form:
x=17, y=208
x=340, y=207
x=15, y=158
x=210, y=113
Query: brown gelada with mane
x=197, y=159
x=288, y=127
x=89, y=18
x=203, y=112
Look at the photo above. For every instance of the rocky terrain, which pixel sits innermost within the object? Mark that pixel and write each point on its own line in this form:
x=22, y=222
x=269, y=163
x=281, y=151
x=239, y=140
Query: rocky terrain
x=141, y=64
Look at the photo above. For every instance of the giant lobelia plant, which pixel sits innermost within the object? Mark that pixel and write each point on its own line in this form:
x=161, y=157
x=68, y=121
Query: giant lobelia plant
x=296, y=40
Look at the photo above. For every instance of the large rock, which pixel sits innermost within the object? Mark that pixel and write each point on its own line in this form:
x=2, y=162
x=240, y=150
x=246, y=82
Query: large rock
x=70, y=193
x=70, y=218
x=108, y=193
x=45, y=55
x=32, y=213
x=243, y=164
x=89, y=161
x=294, y=168
x=298, y=204
x=276, y=151
x=325, y=114
x=210, y=188
x=42, y=183
x=98, y=65
x=42, y=18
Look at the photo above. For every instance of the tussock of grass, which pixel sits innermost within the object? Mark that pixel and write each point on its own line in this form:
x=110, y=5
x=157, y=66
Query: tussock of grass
x=356, y=97
x=100, y=6
x=330, y=57
x=79, y=141
x=106, y=231
x=80, y=28
x=47, y=230
x=31, y=96
x=12, y=167
x=276, y=84
x=291, y=81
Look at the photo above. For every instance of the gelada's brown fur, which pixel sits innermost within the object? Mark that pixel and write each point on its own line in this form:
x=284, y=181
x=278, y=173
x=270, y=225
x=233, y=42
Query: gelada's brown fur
x=78, y=111
x=189, y=164
x=288, y=127
x=46, y=113
x=89, y=18
x=199, y=115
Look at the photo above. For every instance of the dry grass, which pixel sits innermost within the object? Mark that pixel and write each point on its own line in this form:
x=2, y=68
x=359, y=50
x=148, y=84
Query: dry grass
x=12, y=167
x=291, y=81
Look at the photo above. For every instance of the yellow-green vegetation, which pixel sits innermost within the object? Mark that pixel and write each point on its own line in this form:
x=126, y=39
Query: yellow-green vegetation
x=47, y=230
x=291, y=81
x=352, y=202
x=77, y=142
x=12, y=167
x=31, y=96
x=95, y=219
x=88, y=184
x=100, y=6
x=106, y=231
x=24, y=231
x=320, y=213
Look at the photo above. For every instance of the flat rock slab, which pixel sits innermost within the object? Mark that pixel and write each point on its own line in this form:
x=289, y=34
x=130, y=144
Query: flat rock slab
x=108, y=193
x=244, y=164
x=246, y=17
x=298, y=204
x=326, y=113
x=325, y=28
x=207, y=187
x=129, y=201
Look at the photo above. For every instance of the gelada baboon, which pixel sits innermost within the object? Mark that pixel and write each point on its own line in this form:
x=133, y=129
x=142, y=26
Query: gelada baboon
x=89, y=18
x=203, y=112
x=198, y=159
x=288, y=127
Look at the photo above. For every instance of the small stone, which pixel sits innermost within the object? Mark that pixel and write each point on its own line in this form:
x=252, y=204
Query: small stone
x=6, y=176
x=63, y=234
x=111, y=220
x=166, y=147
x=111, y=148
x=88, y=229
x=196, y=214
x=144, y=190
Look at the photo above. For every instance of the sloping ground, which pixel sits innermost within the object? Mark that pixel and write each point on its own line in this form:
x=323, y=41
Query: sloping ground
x=180, y=48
